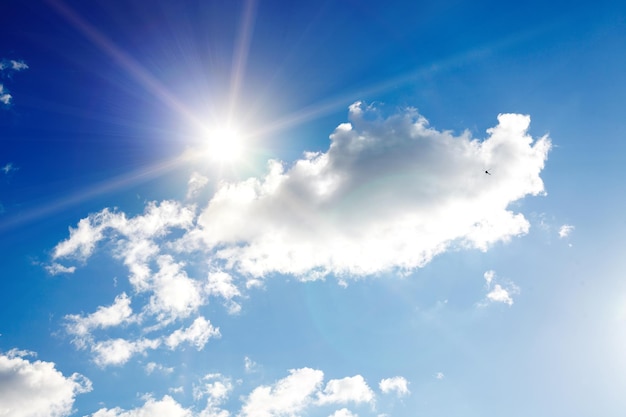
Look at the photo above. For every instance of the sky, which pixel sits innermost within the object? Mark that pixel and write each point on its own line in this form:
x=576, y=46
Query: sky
x=259, y=208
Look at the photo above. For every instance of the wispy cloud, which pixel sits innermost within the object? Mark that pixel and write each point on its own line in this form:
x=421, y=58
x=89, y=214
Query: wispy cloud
x=7, y=68
x=81, y=326
x=9, y=65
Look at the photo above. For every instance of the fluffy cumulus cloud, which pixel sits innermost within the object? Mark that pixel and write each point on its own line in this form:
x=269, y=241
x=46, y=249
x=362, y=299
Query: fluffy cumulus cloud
x=287, y=397
x=344, y=412
x=390, y=193
x=349, y=389
x=166, y=406
x=119, y=351
x=198, y=334
x=36, y=388
x=302, y=392
x=397, y=384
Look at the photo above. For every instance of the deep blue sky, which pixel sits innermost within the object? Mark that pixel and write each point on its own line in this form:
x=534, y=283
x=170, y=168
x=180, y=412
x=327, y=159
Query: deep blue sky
x=389, y=255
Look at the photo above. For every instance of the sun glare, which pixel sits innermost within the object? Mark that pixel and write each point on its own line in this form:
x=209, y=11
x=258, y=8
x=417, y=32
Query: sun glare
x=225, y=145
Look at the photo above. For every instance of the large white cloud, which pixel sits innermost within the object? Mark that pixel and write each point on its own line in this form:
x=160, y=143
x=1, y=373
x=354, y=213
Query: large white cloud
x=390, y=193
x=37, y=388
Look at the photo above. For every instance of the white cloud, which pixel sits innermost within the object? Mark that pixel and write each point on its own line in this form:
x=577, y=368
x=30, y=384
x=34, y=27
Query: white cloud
x=119, y=351
x=12, y=65
x=157, y=221
x=398, y=384
x=220, y=283
x=344, y=412
x=5, y=97
x=175, y=295
x=565, y=230
x=498, y=293
x=167, y=406
x=249, y=365
x=215, y=387
x=287, y=397
x=177, y=390
x=9, y=66
x=390, y=193
x=195, y=184
x=153, y=366
x=36, y=389
x=18, y=65
x=198, y=334
x=57, y=269
x=81, y=326
x=349, y=389
x=439, y=375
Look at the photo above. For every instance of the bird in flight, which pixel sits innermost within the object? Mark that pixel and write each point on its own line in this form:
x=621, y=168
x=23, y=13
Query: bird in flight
x=487, y=172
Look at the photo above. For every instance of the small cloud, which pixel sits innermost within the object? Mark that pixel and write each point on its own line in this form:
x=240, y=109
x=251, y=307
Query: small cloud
x=565, y=230
x=4, y=96
x=489, y=275
x=151, y=367
x=439, y=375
x=57, y=269
x=7, y=67
x=215, y=387
x=198, y=334
x=116, y=314
x=18, y=65
x=348, y=389
x=344, y=412
x=398, y=384
x=9, y=167
x=176, y=390
x=195, y=184
x=119, y=351
x=249, y=365
x=498, y=293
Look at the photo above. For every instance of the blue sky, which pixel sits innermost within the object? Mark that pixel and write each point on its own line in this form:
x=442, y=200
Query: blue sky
x=342, y=208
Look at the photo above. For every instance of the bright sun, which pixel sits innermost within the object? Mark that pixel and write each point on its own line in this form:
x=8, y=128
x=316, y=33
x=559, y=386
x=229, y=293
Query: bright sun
x=225, y=145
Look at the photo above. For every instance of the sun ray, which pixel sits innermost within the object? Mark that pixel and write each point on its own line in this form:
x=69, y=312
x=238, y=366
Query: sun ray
x=240, y=56
x=132, y=67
